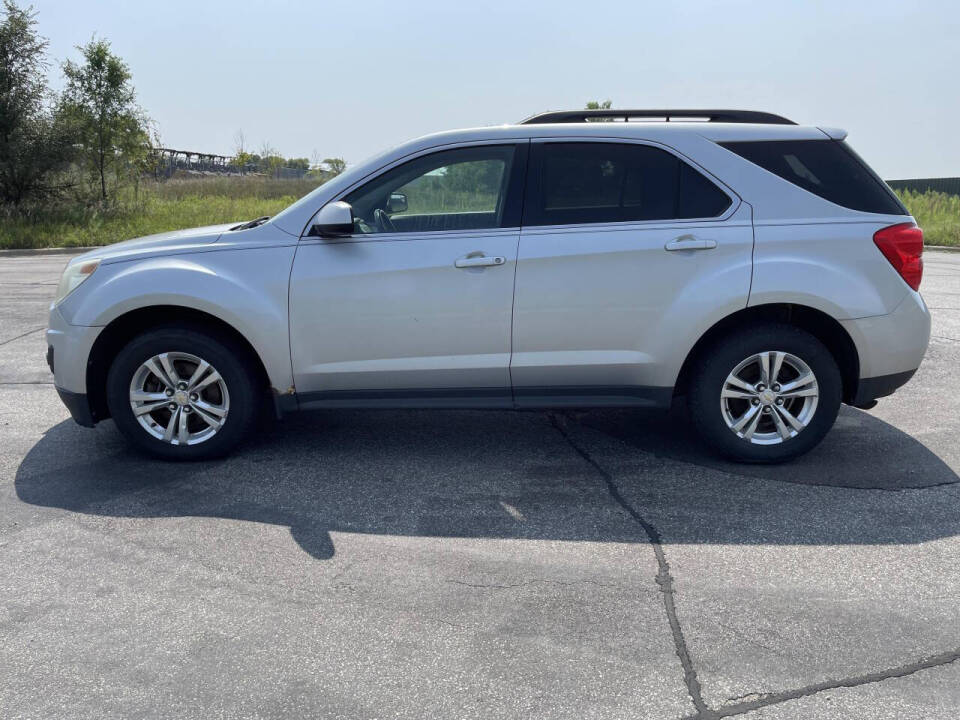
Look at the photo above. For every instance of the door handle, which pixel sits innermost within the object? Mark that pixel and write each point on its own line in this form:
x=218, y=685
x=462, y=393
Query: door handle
x=690, y=242
x=471, y=261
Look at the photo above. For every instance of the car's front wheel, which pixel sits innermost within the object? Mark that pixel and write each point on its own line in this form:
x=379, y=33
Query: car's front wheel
x=182, y=394
x=767, y=393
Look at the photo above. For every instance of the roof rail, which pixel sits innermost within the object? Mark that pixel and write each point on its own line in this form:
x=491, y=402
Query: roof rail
x=729, y=116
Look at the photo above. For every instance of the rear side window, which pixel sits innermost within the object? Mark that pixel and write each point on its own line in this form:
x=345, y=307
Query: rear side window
x=616, y=182
x=828, y=168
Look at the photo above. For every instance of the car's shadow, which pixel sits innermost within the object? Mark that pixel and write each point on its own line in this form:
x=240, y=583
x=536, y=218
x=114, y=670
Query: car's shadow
x=861, y=451
x=507, y=475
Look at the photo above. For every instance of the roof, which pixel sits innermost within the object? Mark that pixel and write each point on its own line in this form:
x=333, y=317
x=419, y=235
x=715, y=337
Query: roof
x=654, y=131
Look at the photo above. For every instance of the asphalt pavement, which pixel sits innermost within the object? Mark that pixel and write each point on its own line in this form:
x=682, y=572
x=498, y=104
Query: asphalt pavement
x=454, y=564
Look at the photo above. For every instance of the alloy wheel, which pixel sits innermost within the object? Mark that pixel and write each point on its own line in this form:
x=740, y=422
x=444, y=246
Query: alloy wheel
x=769, y=397
x=179, y=398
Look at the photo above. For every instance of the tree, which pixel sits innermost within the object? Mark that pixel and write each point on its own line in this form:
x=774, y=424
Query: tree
x=334, y=166
x=326, y=169
x=597, y=105
x=241, y=158
x=33, y=146
x=270, y=160
x=477, y=177
x=100, y=104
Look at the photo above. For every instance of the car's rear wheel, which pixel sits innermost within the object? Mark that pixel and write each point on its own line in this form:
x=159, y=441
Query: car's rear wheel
x=182, y=394
x=766, y=393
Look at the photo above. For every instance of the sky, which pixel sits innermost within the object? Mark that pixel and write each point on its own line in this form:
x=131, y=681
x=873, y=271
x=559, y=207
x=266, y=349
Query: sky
x=352, y=78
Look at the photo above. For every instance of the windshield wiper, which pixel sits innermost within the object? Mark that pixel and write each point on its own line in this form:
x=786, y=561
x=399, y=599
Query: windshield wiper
x=251, y=224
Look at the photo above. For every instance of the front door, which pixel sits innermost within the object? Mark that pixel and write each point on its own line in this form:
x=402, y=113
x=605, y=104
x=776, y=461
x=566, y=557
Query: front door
x=414, y=309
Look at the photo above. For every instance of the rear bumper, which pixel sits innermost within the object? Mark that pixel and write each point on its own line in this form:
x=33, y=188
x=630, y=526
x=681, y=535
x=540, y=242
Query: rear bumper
x=869, y=389
x=78, y=406
x=890, y=347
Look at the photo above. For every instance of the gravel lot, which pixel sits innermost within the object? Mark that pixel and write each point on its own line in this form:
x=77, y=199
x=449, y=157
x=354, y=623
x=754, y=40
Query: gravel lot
x=450, y=564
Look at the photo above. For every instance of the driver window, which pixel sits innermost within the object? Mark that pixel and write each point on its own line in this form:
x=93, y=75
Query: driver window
x=462, y=189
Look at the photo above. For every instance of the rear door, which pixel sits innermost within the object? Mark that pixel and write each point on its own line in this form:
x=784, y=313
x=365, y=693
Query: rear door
x=627, y=253
x=414, y=308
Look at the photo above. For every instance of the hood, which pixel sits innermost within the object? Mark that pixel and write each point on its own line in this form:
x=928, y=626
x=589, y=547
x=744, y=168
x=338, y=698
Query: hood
x=176, y=240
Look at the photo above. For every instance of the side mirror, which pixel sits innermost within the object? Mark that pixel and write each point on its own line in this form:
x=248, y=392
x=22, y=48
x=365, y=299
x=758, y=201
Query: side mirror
x=397, y=203
x=334, y=220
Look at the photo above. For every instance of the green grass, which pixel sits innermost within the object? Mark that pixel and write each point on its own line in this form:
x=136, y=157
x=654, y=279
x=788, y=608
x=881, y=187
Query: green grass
x=937, y=213
x=232, y=187
x=191, y=202
x=159, y=207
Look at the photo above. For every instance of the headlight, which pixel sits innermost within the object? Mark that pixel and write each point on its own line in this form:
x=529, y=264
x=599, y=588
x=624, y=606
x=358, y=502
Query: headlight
x=75, y=274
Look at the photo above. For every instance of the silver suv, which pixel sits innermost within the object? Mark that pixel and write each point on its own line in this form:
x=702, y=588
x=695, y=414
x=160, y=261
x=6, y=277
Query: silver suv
x=757, y=268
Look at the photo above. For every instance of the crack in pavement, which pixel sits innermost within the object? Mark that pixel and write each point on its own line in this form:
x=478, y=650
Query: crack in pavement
x=694, y=689
x=767, y=699
x=28, y=332
x=664, y=579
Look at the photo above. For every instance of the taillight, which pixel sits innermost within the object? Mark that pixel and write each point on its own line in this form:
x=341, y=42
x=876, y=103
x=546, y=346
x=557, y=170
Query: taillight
x=902, y=245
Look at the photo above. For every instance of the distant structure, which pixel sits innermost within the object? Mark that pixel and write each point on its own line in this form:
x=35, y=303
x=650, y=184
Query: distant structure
x=950, y=186
x=171, y=160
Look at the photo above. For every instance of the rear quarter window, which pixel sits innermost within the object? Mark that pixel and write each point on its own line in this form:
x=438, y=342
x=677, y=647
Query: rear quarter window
x=827, y=168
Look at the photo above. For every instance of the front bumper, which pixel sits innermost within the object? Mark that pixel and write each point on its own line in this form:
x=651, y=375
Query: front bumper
x=78, y=406
x=68, y=350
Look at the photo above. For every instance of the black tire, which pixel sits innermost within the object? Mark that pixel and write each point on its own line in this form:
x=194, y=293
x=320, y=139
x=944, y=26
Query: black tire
x=228, y=357
x=716, y=362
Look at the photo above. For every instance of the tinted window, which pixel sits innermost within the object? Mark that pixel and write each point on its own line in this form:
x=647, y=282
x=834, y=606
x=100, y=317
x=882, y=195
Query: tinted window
x=827, y=168
x=699, y=198
x=607, y=182
x=463, y=189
